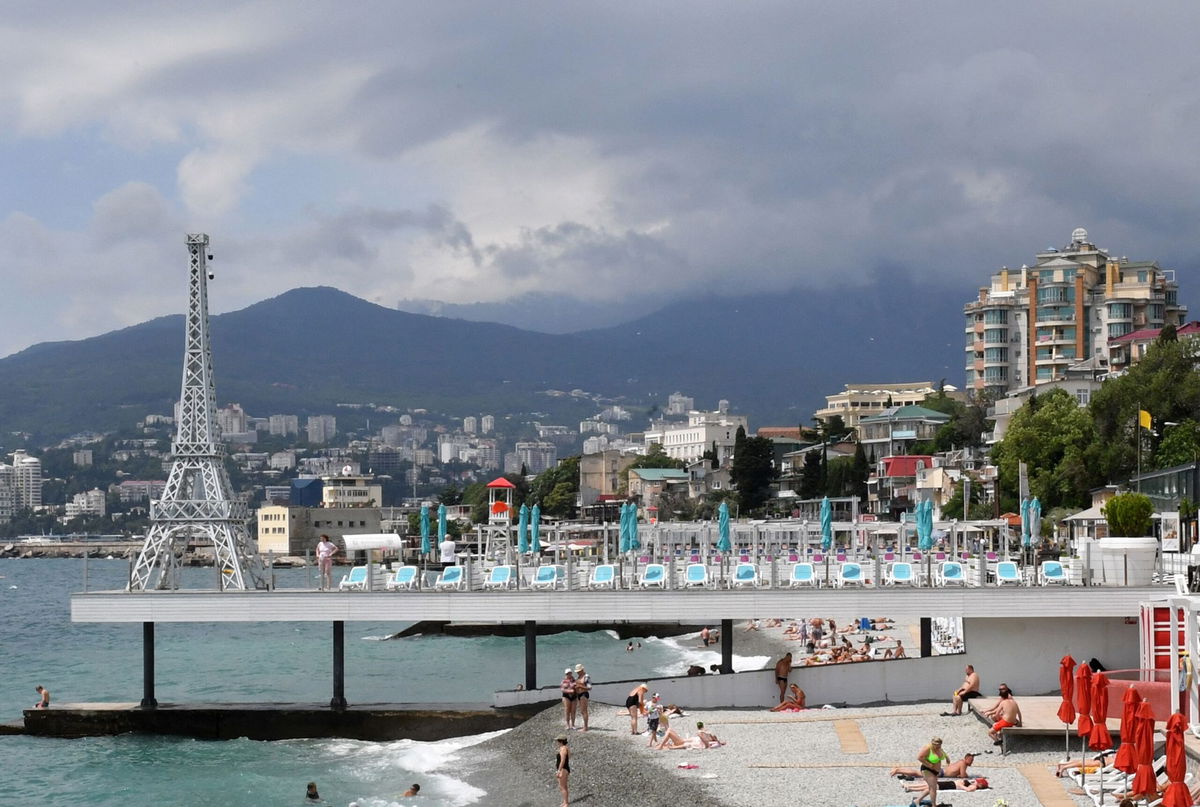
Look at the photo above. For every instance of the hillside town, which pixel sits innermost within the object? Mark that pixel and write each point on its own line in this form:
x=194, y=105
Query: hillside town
x=1075, y=322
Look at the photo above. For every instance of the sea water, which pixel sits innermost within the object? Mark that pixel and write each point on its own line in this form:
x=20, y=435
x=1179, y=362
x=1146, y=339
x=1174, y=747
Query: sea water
x=258, y=662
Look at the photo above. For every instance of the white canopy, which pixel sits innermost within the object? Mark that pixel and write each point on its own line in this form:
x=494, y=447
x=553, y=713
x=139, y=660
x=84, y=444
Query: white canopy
x=383, y=540
x=1090, y=514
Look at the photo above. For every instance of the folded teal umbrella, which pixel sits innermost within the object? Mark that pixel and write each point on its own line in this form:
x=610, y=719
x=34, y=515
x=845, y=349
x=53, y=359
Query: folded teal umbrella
x=826, y=524
x=425, y=548
x=523, y=530
x=441, y=523
x=1035, y=519
x=623, y=527
x=634, y=543
x=535, y=525
x=723, y=542
x=925, y=525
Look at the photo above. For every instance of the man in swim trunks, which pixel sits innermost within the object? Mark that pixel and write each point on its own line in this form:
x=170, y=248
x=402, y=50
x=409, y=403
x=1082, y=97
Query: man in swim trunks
x=1010, y=717
x=412, y=791
x=704, y=637
x=968, y=690
x=783, y=669
x=44, y=700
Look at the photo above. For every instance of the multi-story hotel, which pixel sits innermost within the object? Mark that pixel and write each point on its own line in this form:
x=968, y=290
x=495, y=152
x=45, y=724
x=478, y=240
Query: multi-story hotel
x=858, y=401
x=1032, y=323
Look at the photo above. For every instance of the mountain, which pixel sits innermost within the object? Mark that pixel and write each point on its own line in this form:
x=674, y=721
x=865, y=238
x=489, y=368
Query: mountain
x=533, y=311
x=773, y=356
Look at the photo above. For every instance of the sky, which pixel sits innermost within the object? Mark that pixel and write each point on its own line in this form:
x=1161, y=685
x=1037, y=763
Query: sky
x=476, y=152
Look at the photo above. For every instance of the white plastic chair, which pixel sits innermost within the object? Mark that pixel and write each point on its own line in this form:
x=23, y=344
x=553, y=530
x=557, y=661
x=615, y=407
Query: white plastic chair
x=1052, y=572
x=548, y=577
x=604, y=575
x=355, y=581
x=1007, y=573
x=803, y=574
x=501, y=577
x=901, y=574
x=654, y=575
x=405, y=577
x=950, y=573
x=746, y=574
x=695, y=576
x=451, y=578
x=849, y=574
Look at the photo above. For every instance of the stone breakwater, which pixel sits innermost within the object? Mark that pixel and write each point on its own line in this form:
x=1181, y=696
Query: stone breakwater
x=70, y=549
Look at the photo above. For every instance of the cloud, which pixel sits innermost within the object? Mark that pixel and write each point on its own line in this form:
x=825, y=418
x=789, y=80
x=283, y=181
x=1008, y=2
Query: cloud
x=672, y=149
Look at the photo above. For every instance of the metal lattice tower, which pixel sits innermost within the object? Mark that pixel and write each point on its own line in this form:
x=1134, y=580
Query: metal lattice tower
x=197, y=502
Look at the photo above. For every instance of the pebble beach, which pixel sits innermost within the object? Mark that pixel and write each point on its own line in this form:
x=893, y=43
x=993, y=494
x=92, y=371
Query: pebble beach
x=837, y=756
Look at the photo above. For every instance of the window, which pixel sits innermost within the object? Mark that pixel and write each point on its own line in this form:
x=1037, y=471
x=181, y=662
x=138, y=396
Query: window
x=1141, y=276
x=996, y=316
x=1082, y=396
x=1119, y=329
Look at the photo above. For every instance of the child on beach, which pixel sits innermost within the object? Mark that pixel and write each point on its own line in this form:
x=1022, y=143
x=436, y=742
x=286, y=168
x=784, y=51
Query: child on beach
x=653, y=714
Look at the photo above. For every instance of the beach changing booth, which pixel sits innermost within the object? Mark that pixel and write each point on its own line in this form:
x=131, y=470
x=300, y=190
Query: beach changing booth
x=376, y=577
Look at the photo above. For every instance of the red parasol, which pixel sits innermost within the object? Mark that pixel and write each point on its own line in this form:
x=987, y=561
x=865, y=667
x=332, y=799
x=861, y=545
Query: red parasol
x=1145, y=783
x=1177, y=794
x=1126, y=759
x=1099, y=739
x=1083, y=700
x=1066, y=683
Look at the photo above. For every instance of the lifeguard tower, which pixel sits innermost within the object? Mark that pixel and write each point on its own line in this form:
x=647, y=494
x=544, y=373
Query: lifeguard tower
x=499, y=524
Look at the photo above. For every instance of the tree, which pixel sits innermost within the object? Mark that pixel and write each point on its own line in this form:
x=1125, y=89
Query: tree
x=1054, y=440
x=1164, y=383
x=840, y=480
x=1180, y=444
x=656, y=457
x=451, y=496
x=861, y=472
x=811, y=475
x=556, y=489
x=753, y=470
x=979, y=509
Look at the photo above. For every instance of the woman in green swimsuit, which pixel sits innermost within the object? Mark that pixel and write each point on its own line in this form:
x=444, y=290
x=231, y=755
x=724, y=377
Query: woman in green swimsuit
x=931, y=759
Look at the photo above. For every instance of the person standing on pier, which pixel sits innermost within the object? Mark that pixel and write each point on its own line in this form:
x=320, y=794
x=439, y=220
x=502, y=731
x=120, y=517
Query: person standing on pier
x=583, y=693
x=562, y=768
x=567, y=687
x=326, y=549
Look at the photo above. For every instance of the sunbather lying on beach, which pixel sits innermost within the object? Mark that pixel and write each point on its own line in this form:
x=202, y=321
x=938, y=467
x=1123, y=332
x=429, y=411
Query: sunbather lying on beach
x=1091, y=766
x=969, y=785
x=951, y=770
x=702, y=740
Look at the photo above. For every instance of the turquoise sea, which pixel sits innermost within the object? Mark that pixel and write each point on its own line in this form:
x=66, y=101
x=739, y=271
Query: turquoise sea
x=288, y=662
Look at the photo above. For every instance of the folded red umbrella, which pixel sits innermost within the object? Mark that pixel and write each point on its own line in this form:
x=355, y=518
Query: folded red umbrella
x=1126, y=759
x=1099, y=739
x=1083, y=699
x=1177, y=794
x=1145, y=783
x=1066, y=684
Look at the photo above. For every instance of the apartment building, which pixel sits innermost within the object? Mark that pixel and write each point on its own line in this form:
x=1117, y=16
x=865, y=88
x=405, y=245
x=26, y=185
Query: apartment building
x=536, y=455
x=26, y=480
x=857, y=401
x=688, y=441
x=1029, y=325
x=321, y=428
x=290, y=530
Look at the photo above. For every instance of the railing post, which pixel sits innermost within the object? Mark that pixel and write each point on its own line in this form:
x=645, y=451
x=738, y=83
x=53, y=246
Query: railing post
x=148, y=701
x=339, y=666
x=530, y=655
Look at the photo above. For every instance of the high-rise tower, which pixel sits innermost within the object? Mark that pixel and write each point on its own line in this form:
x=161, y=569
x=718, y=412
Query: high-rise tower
x=197, y=502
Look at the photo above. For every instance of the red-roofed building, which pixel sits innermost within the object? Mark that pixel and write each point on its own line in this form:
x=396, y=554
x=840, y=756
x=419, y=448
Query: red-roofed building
x=1126, y=351
x=892, y=487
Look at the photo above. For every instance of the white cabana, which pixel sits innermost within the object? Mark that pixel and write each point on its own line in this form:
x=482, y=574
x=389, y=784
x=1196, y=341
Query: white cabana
x=381, y=540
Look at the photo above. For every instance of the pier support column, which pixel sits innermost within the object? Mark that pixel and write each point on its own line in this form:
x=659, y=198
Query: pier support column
x=726, y=646
x=148, y=701
x=530, y=655
x=926, y=637
x=339, y=666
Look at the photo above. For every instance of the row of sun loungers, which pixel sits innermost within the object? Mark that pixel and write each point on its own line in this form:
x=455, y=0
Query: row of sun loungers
x=697, y=575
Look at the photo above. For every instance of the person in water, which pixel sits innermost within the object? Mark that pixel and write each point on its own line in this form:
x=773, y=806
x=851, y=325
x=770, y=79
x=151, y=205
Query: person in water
x=562, y=768
x=412, y=791
x=311, y=794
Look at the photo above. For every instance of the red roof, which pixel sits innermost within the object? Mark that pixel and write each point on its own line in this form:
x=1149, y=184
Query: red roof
x=1150, y=334
x=906, y=465
x=500, y=482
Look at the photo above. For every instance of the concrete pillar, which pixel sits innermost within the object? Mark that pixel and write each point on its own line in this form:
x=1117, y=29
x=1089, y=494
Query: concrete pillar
x=148, y=701
x=926, y=637
x=726, y=646
x=530, y=655
x=339, y=666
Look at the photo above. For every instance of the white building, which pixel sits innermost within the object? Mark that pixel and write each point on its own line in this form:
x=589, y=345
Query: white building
x=283, y=460
x=283, y=425
x=536, y=455
x=470, y=424
x=8, y=496
x=90, y=503
x=689, y=441
x=858, y=401
x=321, y=428
x=232, y=419
x=82, y=458
x=350, y=490
x=26, y=480
x=487, y=424
x=679, y=404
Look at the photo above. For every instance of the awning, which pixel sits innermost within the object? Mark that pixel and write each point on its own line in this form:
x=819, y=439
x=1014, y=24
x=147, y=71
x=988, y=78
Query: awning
x=383, y=540
x=1091, y=514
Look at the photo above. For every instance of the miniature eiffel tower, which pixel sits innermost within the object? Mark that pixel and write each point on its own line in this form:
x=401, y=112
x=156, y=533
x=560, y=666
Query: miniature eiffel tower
x=197, y=503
